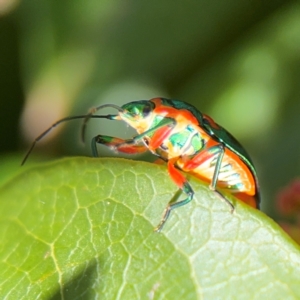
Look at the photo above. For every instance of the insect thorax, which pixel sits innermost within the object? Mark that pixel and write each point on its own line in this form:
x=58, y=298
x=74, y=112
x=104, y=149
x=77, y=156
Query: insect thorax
x=184, y=140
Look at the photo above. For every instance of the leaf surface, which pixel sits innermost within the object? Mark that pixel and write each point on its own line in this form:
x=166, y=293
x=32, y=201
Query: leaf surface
x=82, y=228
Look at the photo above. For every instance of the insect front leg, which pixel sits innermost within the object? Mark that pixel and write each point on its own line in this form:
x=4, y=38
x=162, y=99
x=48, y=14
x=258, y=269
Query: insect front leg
x=184, y=185
x=134, y=145
x=128, y=146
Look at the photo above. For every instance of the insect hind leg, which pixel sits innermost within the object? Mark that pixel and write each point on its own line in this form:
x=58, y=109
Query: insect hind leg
x=217, y=151
x=213, y=184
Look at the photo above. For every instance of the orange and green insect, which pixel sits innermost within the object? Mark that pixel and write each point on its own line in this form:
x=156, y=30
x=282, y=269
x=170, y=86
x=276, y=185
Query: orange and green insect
x=186, y=140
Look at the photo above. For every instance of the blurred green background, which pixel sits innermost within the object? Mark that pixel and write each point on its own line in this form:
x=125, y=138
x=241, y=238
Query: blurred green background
x=238, y=61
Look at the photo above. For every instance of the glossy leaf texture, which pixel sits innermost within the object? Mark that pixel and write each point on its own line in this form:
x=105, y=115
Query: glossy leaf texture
x=82, y=228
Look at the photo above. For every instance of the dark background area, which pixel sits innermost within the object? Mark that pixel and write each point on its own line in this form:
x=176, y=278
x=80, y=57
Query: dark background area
x=238, y=61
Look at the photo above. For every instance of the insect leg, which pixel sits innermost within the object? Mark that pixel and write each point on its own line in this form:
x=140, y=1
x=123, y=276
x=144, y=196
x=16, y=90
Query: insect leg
x=159, y=133
x=184, y=185
x=159, y=136
x=120, y=145
x=217, y=169
x=132, y=146
x=215, y=150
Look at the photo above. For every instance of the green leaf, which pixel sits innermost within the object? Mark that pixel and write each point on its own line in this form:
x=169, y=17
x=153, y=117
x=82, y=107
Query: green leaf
x=82, y=228
x=9, y=164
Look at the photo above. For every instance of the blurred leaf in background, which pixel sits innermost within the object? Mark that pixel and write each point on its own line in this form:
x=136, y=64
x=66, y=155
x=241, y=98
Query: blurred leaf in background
x=11, y=93
x=237, y=61
x=288, y=205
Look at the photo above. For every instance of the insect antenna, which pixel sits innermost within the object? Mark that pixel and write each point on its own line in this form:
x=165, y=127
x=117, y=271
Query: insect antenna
x=110, y=117
x=91, y=115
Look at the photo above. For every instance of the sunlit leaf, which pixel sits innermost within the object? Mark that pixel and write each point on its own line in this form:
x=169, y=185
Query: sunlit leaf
x=82, y=228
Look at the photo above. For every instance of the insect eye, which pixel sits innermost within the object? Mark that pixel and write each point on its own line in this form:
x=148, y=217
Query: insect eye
x=147, y=110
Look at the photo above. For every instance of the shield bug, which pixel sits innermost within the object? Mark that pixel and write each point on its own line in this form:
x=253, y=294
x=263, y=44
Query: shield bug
x=186, y=140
